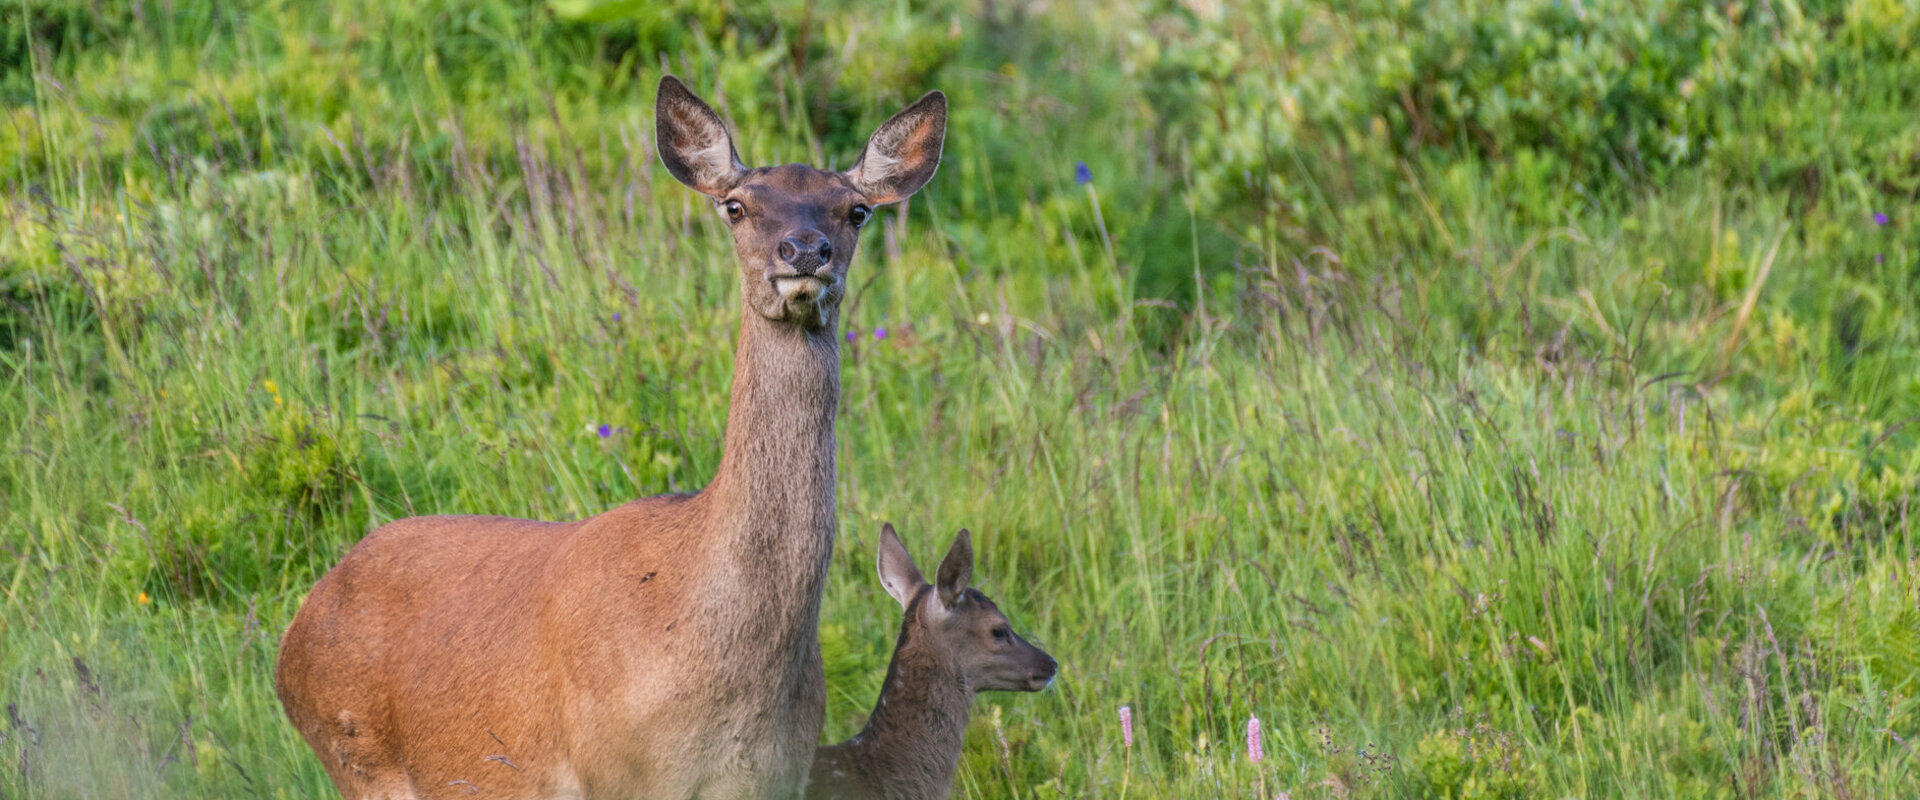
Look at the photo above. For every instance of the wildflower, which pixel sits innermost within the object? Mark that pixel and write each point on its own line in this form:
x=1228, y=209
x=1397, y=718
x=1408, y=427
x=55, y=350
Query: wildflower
x=1880, y=219
x=144, y=599
x=1879, y=258
x=616, y=316
x=851, y=337
x=879, y=333
x=984, y=319
x=604, y=430
x=1084, y=176
x=1254, y=753
x=270, y=386
x=1126, y=725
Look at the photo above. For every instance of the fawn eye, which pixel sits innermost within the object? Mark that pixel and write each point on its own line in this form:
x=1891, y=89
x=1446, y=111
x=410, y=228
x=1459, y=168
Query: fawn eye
x=735, y=211
x=859, y=215
x=1000, y=635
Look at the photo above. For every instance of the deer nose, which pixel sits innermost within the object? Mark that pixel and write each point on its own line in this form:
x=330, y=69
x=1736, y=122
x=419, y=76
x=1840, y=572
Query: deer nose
x=806, y=251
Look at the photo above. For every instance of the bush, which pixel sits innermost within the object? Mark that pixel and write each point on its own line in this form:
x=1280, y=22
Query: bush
x=1612, y=92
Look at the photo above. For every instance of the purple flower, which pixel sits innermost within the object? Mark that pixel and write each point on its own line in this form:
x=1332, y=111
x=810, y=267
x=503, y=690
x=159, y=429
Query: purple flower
x=1879, y=258
x=1880, y=219
x=851, y=336
x=879, y=333
x=604, y=430
x=1084, y=176
x=1126, y=725
x=1254, y=753
x=616, y=316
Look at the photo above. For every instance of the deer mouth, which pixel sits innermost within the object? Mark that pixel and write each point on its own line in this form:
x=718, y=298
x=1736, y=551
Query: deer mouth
x=802, y=290
x=1043, y=677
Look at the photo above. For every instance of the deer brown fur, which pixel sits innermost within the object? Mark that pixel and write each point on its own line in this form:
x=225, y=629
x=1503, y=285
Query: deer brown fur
x=953, y=644
x=667, y=648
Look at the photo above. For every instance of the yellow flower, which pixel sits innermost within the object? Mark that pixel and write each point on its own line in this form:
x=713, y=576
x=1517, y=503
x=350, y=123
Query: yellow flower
x=270, y=386
x=144, y=599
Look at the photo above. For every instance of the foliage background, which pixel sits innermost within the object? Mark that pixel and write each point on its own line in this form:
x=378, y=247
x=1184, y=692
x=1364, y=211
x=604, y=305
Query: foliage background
x=1497, y=399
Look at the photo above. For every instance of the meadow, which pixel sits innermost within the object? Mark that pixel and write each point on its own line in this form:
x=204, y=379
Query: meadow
x=1496, y=400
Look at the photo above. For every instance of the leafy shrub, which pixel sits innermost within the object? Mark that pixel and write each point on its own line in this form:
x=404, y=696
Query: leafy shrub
x=1472, y=763
x=1609, y=91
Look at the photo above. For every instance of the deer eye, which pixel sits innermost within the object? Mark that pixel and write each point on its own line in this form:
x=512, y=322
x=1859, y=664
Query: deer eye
x=859, y=215
x=1000, y=635
x=735, y=211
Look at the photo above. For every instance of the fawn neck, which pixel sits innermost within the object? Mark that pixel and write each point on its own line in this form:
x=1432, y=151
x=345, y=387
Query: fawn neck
x=920, y=722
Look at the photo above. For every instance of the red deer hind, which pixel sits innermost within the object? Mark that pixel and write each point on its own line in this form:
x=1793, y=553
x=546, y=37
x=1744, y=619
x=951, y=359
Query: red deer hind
x=667, y=648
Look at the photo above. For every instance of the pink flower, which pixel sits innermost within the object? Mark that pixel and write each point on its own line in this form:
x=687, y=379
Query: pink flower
x=1253, y=740
x=1126, y=725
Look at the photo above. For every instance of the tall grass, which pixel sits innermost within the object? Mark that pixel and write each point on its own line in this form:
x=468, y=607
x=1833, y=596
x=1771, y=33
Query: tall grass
x=1494, y=490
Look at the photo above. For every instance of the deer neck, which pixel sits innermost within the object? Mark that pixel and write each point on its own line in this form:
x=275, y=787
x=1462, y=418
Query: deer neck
x=773, y=497
x=913, y=740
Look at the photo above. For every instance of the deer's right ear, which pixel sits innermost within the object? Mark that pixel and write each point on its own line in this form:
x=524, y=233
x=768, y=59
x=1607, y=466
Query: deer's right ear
x=956, y=570
x=693, y=141
x=897, y=572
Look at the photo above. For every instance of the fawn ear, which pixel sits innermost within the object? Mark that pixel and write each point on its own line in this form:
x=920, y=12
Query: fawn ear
x=903, y=153
x=897, y=573
x=956, y=569
x=693, y=141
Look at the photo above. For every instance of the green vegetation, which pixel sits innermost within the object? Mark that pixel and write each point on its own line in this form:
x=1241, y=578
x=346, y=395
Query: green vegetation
x=1498, y=400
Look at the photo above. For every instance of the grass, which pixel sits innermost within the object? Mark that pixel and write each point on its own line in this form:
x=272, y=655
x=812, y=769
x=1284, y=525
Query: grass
x=1464, y=482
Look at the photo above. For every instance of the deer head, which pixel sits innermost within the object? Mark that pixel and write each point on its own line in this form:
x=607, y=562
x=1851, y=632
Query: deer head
x=795, y=227
x=959, y=622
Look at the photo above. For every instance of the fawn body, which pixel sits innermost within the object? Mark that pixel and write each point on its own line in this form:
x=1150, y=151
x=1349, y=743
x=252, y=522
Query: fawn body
x=954, y=642
x=667, y=648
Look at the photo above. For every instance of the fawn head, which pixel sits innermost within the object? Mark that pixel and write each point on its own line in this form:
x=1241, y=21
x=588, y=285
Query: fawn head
x=961, y=623
x=795, y=227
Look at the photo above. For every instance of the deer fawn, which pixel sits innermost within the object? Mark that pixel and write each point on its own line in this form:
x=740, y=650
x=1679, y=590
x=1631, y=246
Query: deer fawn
x=667, y=648
x=954, y=643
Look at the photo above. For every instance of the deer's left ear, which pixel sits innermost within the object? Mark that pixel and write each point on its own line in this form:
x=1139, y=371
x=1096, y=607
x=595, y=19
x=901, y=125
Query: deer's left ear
x=898, y=575
x=903, y=153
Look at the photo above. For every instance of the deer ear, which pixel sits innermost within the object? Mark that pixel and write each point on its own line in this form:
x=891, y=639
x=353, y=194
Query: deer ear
x=956, y=569
x=897, y=573
x=693, y=141
x=902, y=155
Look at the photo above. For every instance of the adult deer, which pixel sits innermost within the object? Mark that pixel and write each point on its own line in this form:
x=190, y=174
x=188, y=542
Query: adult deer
x=667, y=648
x=953, y=644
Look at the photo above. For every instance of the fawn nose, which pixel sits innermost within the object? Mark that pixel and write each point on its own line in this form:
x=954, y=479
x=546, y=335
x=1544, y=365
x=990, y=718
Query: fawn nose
x=807, y=251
